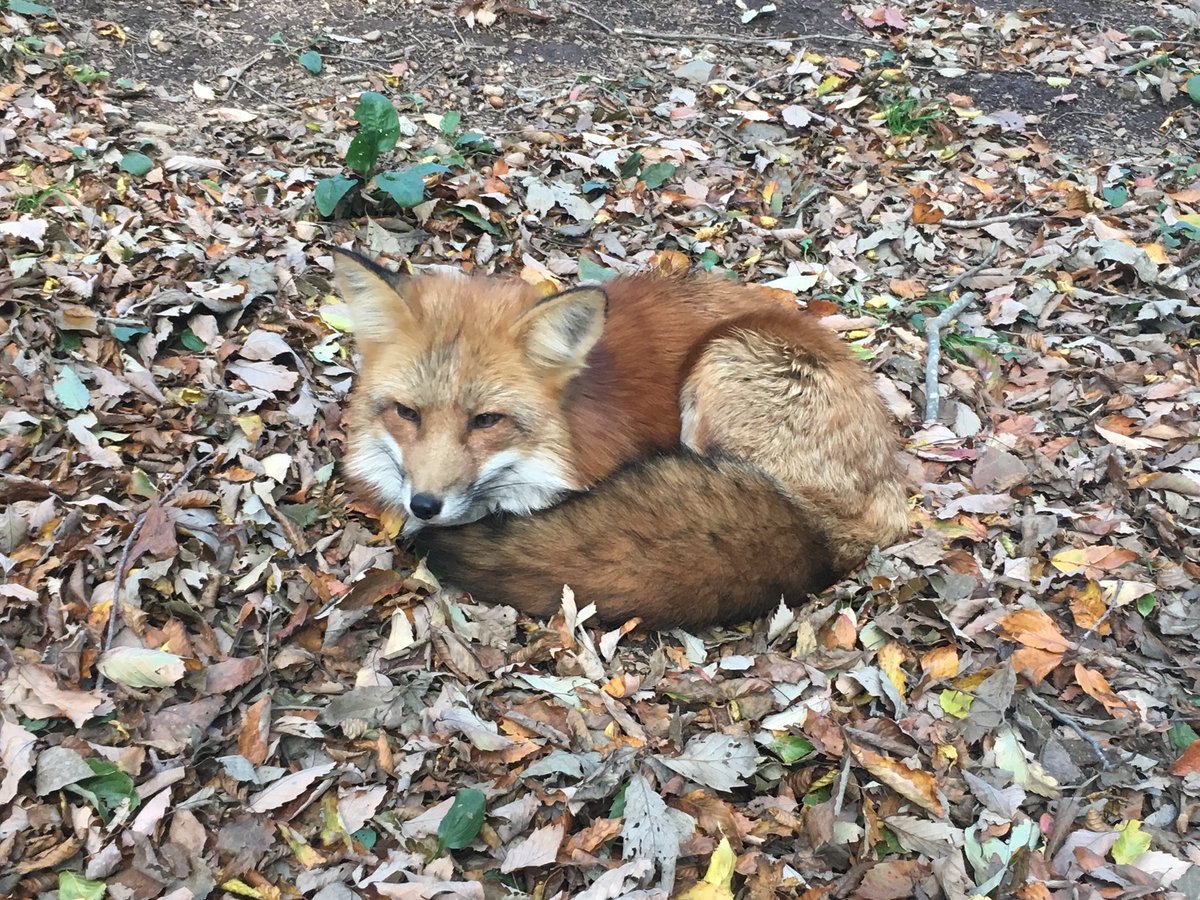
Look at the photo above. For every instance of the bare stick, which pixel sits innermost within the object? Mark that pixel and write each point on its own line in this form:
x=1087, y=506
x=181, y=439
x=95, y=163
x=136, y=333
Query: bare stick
x=967, y=274
x=640, y=34
x=1073, y=725
x=123, y=565
x=933, y=356
x=933, y=333
x=990, y=220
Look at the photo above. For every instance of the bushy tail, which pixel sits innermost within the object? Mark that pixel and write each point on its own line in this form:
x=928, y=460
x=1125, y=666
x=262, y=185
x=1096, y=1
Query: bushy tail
x=679, y=541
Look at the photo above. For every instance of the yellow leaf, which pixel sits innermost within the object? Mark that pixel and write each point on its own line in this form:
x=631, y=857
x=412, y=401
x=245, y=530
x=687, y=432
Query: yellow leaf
x=890, y=658
x=956, y=703
x=252, y=426
x=829, y=85
x=718, y=881
x=1192, y=219
x=239, y=887
x=1156, y=253
x=392, y=523
x=1132, y=843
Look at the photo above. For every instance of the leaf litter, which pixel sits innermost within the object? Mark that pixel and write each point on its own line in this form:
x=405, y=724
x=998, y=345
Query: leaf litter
x=221, y=676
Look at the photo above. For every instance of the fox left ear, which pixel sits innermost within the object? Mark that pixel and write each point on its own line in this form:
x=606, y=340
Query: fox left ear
x=562, y=329
x=377, y=308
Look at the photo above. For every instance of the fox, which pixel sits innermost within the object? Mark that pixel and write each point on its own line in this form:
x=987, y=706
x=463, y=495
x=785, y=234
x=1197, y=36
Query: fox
x=677, y=448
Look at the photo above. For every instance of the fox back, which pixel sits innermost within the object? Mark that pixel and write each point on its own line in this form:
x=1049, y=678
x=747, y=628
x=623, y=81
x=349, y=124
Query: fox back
x=481, y=395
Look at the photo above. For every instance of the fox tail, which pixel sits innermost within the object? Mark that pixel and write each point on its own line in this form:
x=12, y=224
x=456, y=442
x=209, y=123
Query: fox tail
x=678, y=540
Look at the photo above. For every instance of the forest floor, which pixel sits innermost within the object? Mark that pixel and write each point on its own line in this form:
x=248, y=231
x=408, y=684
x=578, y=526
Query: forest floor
x=219, y=677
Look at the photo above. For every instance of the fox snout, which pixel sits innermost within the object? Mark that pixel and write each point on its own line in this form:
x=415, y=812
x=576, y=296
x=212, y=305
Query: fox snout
x=425, y=506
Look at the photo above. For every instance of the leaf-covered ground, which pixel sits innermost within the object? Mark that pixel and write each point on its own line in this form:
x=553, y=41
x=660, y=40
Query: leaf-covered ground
x=220, y=679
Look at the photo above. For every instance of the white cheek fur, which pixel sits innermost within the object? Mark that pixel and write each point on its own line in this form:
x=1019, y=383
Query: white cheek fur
x=530, y=482
x=379, y=464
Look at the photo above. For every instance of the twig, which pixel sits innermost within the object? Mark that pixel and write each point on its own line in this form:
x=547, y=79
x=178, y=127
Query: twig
x=933, y=333
x=1189, y=268
x=123, y=565
x=641, y=34
x=990, y=220
x=933, y=355
x=970, y=273
x=242, y=70
x=1073, y=725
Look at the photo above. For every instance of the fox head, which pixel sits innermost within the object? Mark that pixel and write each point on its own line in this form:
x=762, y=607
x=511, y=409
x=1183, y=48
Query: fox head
x=458, y=409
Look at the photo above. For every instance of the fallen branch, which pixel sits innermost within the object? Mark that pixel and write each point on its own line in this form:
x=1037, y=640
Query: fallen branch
x=990, y=220
x=1073, y=725
x=933, y=356
x=123, y=565
x=641, y=34
x=933, y=332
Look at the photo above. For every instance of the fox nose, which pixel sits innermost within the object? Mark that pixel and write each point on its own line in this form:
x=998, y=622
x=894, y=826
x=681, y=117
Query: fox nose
x=425, y=506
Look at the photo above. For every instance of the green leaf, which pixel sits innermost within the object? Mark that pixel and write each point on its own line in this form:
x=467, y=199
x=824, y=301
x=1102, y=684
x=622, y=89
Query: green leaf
x=1193, y=88
x=136, y=163
x=450, y=122
x=1116, y=196
x=617, y=809
x=1145, y=604
x=1132, y=843
x=25, y=8
x=463, y=821
x=192, y=341
x=107, y=790
x=330, y=191
x=407, y=188
x=124, y=333
x=375, y=113
x=1181, y=736
x=363, y=151
x=590, y=271
x=656, y=175
x=311, y=60
x=76, y=887
x=476, y=219
x=631, y=165
x=790, y=748
x=70, y=391
x=708, y=259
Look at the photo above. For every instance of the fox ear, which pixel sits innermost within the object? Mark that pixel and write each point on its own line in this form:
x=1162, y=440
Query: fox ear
x=562, y=329
x=377, y=308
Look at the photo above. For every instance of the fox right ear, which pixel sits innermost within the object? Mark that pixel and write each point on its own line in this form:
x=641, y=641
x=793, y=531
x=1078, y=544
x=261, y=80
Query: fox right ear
x=376, y=306
x=562, y=329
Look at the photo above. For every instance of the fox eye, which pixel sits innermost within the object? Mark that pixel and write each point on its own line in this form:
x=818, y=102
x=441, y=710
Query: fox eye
x=485, y=420
x=408, y=414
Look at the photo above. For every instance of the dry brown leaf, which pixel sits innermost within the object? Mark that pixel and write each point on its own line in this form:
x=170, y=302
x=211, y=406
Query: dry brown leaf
x=915, y=785
x=1034, y=628
x=1097, y=687
x=940, y=663
x=255, y=731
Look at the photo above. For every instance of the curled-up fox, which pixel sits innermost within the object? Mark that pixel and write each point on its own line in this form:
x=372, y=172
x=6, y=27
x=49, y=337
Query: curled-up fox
x=681, y=449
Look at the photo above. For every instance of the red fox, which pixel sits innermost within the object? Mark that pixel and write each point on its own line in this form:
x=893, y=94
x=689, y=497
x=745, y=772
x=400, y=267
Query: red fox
x=676, y=448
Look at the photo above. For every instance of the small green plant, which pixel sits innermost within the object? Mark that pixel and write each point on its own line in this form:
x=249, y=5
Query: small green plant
x=32, y=202
x=379, y=131
x=85, y=74
x=907, y=116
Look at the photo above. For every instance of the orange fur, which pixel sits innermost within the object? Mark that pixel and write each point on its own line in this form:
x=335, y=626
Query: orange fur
x=690, y=449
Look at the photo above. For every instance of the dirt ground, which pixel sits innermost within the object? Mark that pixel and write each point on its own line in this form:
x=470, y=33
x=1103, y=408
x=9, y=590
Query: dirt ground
x=180, y=48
